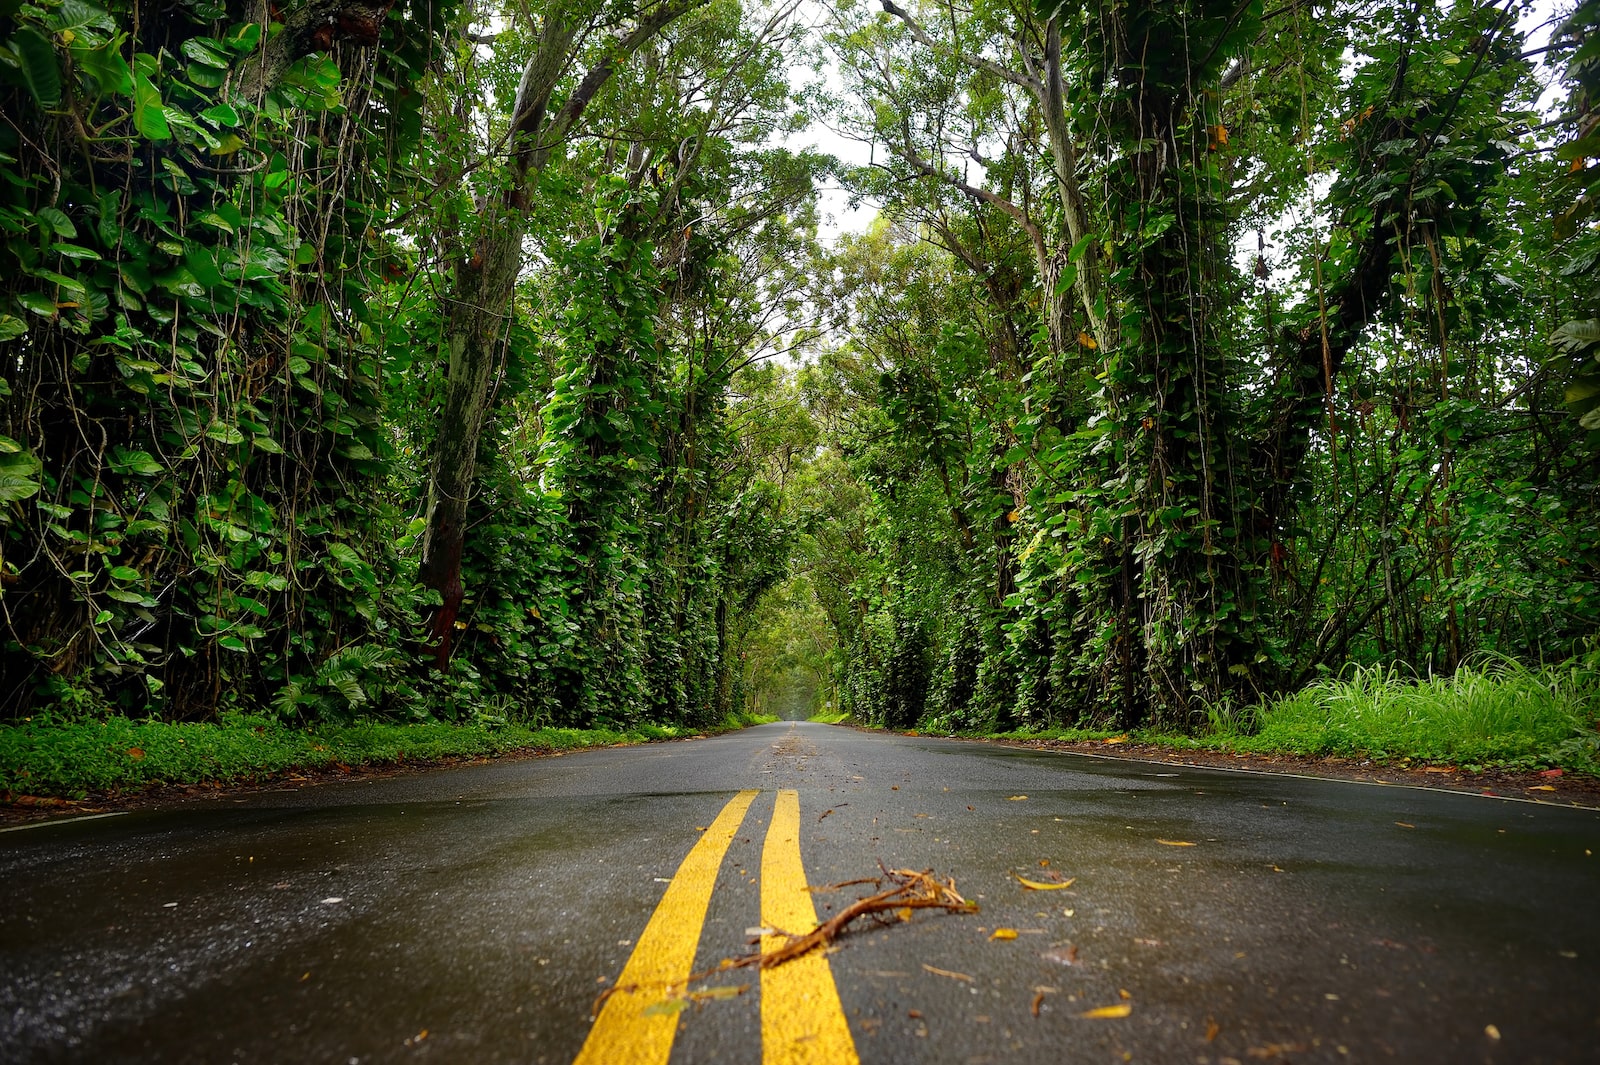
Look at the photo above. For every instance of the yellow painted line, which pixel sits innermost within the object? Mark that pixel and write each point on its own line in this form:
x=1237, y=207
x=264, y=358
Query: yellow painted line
x=802, y=1022
x=627, y=1032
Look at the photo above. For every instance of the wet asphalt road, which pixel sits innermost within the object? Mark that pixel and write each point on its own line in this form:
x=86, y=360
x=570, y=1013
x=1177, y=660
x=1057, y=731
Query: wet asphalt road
x=480, y=910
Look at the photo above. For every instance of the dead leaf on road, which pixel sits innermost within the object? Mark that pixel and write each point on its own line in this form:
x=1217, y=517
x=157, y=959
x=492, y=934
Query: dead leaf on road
x=1175, y=842
x=1405, y=824
x=1003, y=933
x=1038, y=885
x=1015, y=798
x=1100, y=1013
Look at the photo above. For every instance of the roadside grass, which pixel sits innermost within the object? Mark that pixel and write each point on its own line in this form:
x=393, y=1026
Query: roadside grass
x=832, y=717
x=1493, y=713
x=71, y=759
x=1490, y=713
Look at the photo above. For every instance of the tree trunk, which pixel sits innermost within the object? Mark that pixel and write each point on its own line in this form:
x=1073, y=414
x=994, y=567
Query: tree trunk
x=478, y=305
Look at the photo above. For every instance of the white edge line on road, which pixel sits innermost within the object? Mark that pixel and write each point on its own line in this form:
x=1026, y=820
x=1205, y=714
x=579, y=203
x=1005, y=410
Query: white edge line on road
x=63, y=821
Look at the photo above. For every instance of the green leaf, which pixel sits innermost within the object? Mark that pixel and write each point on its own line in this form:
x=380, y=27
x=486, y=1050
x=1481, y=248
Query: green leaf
x=57, y=221
x=75, y=251
x=224, y=433
x=232, y=643
x=11, y=327
x=19, y=475
x=36, y=58
x=221, y=115
x=1577, y=335
x=243, y=37
x=80, y=14
x=124, y=573
x=200, y=52
x=39, y=304
x=9, y=446
x=1581, y=389
x=149, y=117
x=105, y=65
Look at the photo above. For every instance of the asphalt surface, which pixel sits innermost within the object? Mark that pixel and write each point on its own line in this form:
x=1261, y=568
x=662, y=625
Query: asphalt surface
x=474, y=914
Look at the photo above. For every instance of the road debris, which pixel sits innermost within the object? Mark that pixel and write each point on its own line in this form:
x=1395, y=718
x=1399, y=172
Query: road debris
x=911, y=890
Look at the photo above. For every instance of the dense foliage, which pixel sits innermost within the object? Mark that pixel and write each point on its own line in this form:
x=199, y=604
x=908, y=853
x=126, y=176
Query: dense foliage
x=238, y=242
x=1203, y=348
x=412, y=360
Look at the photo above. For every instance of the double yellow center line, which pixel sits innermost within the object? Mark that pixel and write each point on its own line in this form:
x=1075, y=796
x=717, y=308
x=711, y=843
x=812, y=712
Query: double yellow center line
x=802, y=1021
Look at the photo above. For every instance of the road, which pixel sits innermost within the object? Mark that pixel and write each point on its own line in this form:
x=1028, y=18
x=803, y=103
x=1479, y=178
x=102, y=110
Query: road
x=476, y=915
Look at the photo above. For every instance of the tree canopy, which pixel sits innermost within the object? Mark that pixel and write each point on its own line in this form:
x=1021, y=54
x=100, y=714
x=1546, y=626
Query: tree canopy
x=437, y=360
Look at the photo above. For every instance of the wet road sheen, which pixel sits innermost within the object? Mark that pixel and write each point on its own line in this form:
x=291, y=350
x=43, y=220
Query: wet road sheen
x=474, y=915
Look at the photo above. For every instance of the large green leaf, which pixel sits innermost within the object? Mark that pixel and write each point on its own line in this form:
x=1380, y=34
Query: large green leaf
x=106, y=66
x=1577, y=335
x=19, y=476
x=149, y=117
x=37, y=60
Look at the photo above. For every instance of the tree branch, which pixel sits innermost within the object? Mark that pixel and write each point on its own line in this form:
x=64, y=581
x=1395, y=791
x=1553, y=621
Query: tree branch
x=977, y=62
x=906, y=152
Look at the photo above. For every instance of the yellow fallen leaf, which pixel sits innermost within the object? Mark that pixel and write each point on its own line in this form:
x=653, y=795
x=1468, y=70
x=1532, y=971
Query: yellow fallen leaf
x=904, y=913
x=1121, y=1009
x=1015, y=798
x=1004, y=933
x=136, y=753
x=1035, y=885
x=1405, y=824
x=1541, y=787
x=1175, y=842
x=1116, y=739
x=1086, y=340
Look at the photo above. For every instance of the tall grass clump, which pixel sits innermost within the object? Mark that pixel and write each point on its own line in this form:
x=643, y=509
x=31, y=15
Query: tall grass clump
x=1489, y=711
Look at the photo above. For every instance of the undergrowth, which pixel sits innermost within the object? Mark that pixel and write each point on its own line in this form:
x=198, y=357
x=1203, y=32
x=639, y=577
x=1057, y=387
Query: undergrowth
x=1489, y=713
x=52, y=757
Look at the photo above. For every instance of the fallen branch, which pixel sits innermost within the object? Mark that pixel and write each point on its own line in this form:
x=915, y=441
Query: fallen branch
x=911, y=891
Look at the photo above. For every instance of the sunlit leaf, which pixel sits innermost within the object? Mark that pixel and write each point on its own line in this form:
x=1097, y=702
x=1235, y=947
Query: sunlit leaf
x=1121, y=1009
